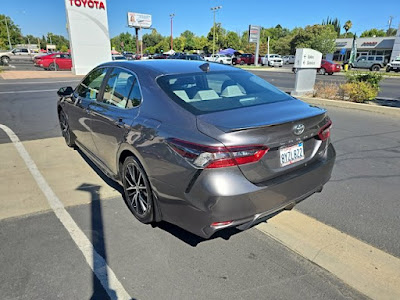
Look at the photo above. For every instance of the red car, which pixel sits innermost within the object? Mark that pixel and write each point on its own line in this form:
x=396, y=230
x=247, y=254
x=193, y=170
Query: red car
x=245, y=59
x=54, y=61
x=327, y=67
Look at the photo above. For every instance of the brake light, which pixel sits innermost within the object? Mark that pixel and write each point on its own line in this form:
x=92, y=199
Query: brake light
x=219, y=224
x=210, y=157
x=325, y=132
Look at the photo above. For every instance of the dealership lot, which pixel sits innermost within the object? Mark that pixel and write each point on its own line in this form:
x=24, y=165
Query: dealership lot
x=40, y=259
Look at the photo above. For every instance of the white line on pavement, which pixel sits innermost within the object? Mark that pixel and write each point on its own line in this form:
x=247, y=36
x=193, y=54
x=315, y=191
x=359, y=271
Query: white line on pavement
x=103, y=272
x=32, y=91
x=39, y=82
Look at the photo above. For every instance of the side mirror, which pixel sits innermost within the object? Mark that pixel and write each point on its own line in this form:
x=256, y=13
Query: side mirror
x=65, y=91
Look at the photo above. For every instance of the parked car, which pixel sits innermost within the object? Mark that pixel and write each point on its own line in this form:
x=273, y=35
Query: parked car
x=272, y=60
x=245, y=59
x=128, y=55
x=54, y=61
x=372, y=62
x=186, y=56
x=219, y=58
x=159, y=56
x=23, y=54
x=394, y=65
x=118, y=57
x=327, y=67
x=288, y=59
x=200, y=145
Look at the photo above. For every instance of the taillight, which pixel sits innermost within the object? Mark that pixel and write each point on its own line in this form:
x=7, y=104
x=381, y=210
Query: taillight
x=210, y=157
x=325, y=131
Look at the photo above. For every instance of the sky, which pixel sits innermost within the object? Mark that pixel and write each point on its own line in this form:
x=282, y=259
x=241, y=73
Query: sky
x=40, y=16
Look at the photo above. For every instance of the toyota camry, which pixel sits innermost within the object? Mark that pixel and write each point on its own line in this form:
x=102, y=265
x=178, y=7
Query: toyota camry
x=197, y=144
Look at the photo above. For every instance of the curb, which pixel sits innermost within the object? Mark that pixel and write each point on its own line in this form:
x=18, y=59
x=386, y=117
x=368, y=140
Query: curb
x=358, y=106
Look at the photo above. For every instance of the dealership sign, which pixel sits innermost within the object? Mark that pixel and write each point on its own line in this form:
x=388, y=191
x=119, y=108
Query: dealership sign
x=87, y=26
x=88, y=3
x=139, y=20
x=254, y=33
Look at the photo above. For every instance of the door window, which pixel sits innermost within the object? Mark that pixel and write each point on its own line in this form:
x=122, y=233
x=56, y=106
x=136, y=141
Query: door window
x=122, y=89
x=89, y=88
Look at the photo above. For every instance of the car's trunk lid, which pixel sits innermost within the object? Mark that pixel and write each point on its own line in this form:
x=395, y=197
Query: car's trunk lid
x=271, y=125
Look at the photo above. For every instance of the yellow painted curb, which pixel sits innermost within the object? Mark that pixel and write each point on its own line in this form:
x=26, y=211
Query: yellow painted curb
x=369, y=270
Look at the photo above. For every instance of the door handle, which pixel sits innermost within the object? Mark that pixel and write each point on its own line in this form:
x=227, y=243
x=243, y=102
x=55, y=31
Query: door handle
x=120, y=122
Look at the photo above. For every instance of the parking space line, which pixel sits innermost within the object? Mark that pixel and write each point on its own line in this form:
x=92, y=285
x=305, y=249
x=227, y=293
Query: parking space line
x=31, y=91
x=103, y=272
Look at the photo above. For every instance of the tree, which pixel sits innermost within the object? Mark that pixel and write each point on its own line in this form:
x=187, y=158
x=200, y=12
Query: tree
x=232, y=40
x=220, y=34
x=152, y=39
x=373, y=32
x=189, y=38
x=347, y=26
x=14, y=30
x=391, y=32
x=334, y=22
x=124, y=42
x=317, y=37
x=57, y=40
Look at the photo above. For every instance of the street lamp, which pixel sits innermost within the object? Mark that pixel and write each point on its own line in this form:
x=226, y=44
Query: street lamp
x=214, y=9
x=172, y=41
x=8, y=32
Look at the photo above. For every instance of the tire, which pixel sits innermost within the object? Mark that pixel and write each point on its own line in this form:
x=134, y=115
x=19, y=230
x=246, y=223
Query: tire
x=221, y=62
x=54, y=67
x=5, y=60
x=330, y=73
x=65, y=129
x=322, y=71
x=137, y=190
x=241, y=62
x=387, y=69
x=375, y=68
x=294, y=70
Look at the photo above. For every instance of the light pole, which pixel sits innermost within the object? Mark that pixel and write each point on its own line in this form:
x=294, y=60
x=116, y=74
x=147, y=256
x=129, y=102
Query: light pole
x=8, y=33
x=214, y=9
x=172, y=41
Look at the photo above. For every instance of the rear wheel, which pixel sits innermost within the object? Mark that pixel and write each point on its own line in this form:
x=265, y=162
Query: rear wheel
x=375, y=68
x=53, y=67
x=5, y=60
x=137, y=190
x=65, y=130
x=242, y=63
x=322, y=71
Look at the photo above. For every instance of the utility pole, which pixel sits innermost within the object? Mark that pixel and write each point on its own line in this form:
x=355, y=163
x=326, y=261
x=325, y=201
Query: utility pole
x=390, y=23
x=8, y=34
x=214, y=9
x=172, y=41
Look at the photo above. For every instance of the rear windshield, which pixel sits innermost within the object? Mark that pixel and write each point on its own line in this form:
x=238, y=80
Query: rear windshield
x=202, y=93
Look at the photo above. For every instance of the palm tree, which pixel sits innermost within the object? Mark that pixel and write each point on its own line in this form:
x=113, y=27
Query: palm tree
x=347, y=26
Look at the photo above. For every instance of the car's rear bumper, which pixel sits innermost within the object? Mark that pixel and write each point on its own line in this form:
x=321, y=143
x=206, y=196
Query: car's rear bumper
x=226, y=195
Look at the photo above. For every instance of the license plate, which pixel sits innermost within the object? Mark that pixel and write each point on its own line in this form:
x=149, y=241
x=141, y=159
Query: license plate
x=291, y=154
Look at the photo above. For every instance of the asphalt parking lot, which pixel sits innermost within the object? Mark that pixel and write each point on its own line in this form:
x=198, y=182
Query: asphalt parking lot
x=108, y=253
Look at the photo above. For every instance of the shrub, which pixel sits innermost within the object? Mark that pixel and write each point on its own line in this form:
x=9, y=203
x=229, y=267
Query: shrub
x=359, y=91
x=327, y=90
x=373, y=78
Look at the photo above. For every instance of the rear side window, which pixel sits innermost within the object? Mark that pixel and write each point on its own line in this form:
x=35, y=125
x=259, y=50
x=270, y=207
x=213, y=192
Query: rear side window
x=89, y=88
x=379, y=58
x=122, y=89
x=371, y=58
x=202, y=93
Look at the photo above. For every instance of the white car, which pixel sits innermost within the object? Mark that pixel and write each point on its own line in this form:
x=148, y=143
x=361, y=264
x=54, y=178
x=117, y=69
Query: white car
x=219, y=58
x=288, y=59
x=273, y=60
x=394, y=65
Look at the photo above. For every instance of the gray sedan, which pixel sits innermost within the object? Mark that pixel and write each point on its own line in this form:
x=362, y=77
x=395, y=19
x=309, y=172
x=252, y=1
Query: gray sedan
x=200, y=145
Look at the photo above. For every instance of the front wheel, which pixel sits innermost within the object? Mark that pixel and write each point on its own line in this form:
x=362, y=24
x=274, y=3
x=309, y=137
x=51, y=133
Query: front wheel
x=137, y=190
x=388, y=69
x=322, y=71
x=65, y=130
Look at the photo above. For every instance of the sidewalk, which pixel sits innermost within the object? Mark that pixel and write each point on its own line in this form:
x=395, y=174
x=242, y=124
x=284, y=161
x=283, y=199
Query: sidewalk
x=36, y=74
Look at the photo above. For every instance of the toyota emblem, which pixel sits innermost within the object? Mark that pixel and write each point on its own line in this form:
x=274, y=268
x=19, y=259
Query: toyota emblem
x=298, y=129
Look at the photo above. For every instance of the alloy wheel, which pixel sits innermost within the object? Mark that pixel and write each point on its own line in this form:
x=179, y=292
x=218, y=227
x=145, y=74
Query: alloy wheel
x=65, y=129
x=137, y=191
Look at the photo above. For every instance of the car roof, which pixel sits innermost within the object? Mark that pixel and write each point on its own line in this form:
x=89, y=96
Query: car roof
x=170, y=66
